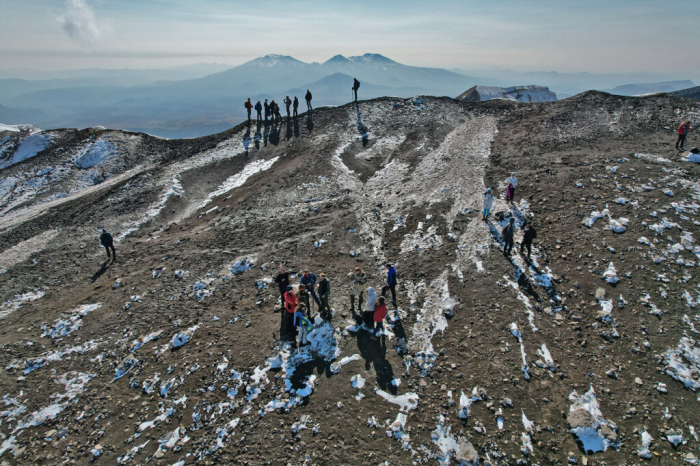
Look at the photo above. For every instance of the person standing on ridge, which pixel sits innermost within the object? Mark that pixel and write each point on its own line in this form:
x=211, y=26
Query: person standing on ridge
x=511, y=182
x=248, y=107
x=295, y=106
x=507, y=234
x=390, y=283
x=108, y=243
x=488, y=203
x=258, y=108
x=355, y=87
x=276, y=111
x=359, y=278
x=682, y=133
x=267, y=110
x=273, y=104
x=529, y=234
x=324, y=292
x=287, y=102
x=309, y=282
x=308, y=98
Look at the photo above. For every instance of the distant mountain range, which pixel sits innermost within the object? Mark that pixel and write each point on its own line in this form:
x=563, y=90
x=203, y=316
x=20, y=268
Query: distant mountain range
x=651, y=88
x=200, y=99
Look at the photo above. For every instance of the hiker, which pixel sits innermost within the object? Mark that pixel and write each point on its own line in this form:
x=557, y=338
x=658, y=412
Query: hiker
x=309, y=281
x=291, y=301
x=287, y=102
x=273, y=104
x=507, y=234
x=248, y=107
x=276, y=110
x=368, y=316
x=358, y=277
x=379, y=316
x=324, y=292
x=390, y=283
x=308, y=98
x=682, y=133
x=267, y=110
x=511, y=181
x=355, y=87
x=303, y=295
x=282, y=280
x=529, y=234
x=258, y=108
x=488, y=202
x=295, y=106
x=302, y=324
x=107, y=242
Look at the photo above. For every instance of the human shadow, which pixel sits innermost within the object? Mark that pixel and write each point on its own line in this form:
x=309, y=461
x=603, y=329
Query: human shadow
x=288, y=130
x=247, y=139
x=102, y=270
x=309, y=121
x=296, y=127
x=374, y=354
x=275, y=132
x=361, y=128
x=266, y=133
x=257, y=136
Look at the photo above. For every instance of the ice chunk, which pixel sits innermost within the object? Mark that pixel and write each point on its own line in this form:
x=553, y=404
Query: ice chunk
x=610, y=275
x=406, y=402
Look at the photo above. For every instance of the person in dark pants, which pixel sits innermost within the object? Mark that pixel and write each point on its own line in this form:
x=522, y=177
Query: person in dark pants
x=276, y=110
x=291, y=301
x=308, y=100
x=282, y=280
x=267, y=110
x=355, y=87
x=273, y=104
x=682, y=133
x=249, y=107
x=379, y=315
x=529, y=234
x=507, y=234
x=287, y=103
x=390, y=283
x=108, y=243
x=258, y=108
x=309, y=282
x=324, y=292
x=295, y=106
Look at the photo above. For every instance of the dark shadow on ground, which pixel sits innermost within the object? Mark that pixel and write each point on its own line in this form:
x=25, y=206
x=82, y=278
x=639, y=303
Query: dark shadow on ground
x=309, y=122
x=361, y=128
x=258, y=135
x=103, y=269
x=246, y=139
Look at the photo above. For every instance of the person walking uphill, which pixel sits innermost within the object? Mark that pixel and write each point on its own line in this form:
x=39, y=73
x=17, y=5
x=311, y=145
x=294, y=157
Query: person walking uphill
x=107, y=241
x=324, y=292
x=529, y=234
x=488, y=203
x=355, y=87
x=308, y=98
x=249, y=107
x=682, y=133
x=309, y=282
x=507, y=234
x=390, y=283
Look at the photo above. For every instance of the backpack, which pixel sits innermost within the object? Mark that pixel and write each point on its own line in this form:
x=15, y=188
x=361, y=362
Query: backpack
x=307, y=324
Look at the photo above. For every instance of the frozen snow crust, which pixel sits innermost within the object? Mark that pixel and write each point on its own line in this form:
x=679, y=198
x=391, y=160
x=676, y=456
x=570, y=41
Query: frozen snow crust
x=172, y=353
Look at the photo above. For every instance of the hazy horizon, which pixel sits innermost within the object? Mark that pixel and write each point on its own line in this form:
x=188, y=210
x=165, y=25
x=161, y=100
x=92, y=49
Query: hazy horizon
x=628, y=37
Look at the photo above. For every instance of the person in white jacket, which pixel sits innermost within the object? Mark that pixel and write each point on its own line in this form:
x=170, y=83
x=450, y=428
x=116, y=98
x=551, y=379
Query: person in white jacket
x=488, y=202
x=511, y=183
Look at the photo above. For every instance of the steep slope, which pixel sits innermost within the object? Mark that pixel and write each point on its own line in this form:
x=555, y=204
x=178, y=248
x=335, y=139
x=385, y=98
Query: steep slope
x=171, y=353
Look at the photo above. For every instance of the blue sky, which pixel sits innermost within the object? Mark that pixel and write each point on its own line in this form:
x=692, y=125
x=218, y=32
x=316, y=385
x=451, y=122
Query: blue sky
x=564, y=35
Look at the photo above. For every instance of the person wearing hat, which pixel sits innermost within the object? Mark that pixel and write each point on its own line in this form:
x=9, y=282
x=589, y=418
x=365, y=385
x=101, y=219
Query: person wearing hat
x=390, y=283
x=488, y=203
x=291, y=301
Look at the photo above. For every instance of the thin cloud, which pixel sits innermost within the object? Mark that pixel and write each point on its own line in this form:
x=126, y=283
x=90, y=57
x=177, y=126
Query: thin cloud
x=80, y=24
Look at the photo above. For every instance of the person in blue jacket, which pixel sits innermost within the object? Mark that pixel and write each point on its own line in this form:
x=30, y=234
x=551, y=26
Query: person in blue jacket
x=309, y=281
x=390, y=283
x=258, y=109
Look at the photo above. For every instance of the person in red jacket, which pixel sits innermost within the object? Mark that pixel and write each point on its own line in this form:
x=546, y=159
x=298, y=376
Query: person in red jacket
x=682, y=133
x=379, y=316
x=249, y=107
x=291, y=300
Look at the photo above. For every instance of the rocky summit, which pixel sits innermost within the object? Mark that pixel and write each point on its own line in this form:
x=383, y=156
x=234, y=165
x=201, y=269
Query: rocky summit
x=171, y=354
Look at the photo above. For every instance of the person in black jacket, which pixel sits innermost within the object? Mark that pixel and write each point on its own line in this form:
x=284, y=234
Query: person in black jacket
x=308, y=100
x=529, y=234
x=295, y=105
x=107, y=242
x=324, y=291
x=355, y=87
x=267, y=109
x=282, y=280
x=507, y=234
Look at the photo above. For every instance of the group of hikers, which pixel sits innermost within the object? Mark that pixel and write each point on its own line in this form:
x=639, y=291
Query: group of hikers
x=508, y=232
x=297, y=302
x=272, y=109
